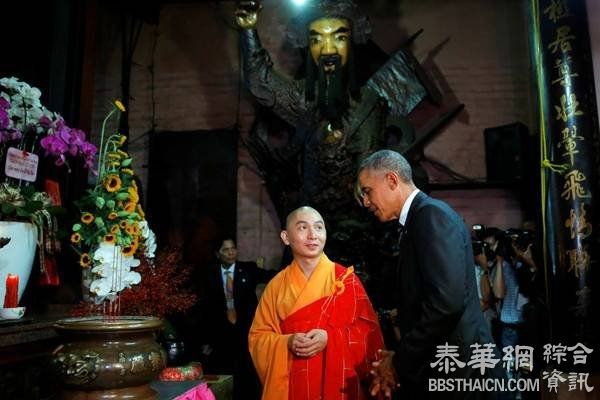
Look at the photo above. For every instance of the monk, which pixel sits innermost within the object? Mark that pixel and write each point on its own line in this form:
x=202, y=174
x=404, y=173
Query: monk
x=315, y=333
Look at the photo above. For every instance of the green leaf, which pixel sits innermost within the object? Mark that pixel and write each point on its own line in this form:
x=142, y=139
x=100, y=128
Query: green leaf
x=27, y=191
x=122, y=196
x=99, y=222
x=56, y=210
x=21, y=212
x=33, y=206
x=126, y=162
x=76, y=227
x=110, y=204
x=8, y=208
x=100, y=202
x=122, y=213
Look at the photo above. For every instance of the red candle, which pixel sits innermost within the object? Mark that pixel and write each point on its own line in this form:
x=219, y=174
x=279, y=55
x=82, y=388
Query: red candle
x=12, y=291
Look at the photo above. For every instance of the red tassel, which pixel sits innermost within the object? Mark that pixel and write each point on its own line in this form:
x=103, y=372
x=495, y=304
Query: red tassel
x=49, y=275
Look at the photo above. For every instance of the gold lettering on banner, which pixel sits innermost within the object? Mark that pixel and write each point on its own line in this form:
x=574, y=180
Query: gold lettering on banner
x=568, y=107
x=556, y=10
x=573, y=187
x=579, y=261
x=564, y=71
x=569, y=142
x=578, y=224
x=562, y=40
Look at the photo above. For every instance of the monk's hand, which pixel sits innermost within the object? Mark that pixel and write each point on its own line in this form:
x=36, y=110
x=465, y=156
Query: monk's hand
x=315, y=342
x=295, y=341
x=246, y=14
x=384, y=380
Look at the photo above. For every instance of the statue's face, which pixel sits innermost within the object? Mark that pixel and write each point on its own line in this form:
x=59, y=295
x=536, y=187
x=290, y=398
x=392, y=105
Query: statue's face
x=329, y=38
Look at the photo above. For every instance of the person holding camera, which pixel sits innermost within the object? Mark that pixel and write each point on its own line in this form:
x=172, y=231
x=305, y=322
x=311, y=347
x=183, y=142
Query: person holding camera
x=513, y=267
x=487, y=299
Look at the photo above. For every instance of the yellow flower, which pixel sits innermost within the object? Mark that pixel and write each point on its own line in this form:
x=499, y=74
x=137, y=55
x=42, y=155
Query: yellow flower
x=133, y=195
x=76, y=238
x=113, y=156
x=110, y=238
x=141, y=212
x=127, y=171
x=124, y=224
x=112, y=183
x=130, y=207
x=119, y=141
x=136, y=229
x=87, y=218
x=120, y=105
x=115, y=229
x=122, y=153
x=130, y=250
x=85, y=260
x=112, y=216
x=133, y=229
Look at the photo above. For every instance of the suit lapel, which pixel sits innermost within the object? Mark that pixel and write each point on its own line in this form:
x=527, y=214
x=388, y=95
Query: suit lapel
x=218, y=277
x=406, y=270
x=238, y=278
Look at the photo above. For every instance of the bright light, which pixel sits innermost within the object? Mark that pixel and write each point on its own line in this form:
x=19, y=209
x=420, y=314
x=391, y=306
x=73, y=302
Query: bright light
x=299, y=3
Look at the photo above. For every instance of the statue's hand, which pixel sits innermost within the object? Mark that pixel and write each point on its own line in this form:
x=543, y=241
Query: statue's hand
x=246, y=14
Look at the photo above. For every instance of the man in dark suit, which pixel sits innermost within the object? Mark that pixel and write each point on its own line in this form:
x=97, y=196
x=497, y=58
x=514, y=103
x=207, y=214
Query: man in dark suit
x=228, y=303
x=436, y=293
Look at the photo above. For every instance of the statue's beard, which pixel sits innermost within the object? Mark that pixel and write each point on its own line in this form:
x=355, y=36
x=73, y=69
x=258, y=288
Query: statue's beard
x=332, y=97
x=331, y=94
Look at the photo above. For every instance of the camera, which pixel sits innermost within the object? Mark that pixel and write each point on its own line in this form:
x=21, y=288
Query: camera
x=504, y=239
x=478, y=230
x=520, y=237
x=479, y=246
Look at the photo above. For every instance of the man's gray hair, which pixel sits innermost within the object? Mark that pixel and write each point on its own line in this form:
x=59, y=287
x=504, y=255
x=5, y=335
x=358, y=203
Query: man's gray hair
x=388, y=160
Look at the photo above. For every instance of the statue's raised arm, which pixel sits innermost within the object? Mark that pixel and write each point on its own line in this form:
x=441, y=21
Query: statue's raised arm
x=246, y=14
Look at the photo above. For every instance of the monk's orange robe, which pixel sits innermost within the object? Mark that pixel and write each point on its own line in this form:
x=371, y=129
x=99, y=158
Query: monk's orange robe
x=332, y=299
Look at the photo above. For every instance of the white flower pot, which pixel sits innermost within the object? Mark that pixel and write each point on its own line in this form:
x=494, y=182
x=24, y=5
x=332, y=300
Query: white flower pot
x=17, y=256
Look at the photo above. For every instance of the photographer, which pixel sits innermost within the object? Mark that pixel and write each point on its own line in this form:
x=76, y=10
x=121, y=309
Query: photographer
x=514, y=273
x=487, y=300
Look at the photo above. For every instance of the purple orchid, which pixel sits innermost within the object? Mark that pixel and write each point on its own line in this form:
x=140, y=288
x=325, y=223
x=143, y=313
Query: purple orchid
x=54, y=145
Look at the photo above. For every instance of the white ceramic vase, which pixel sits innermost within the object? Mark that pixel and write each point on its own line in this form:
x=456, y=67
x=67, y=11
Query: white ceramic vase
x=16, y=257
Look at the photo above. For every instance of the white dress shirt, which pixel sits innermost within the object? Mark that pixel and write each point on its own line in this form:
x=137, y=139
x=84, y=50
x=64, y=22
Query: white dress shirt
x=406, y=206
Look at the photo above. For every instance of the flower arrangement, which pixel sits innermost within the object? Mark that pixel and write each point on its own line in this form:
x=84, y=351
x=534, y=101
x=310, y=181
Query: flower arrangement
x=27, y=128
x=111, y=235
x=163, y=289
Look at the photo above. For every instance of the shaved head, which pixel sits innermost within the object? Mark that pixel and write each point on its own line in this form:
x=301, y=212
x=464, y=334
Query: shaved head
x=291, y=218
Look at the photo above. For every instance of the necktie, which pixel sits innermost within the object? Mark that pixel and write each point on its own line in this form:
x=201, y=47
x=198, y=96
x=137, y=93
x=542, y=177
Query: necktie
x=231, y=314
x=401, y=231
